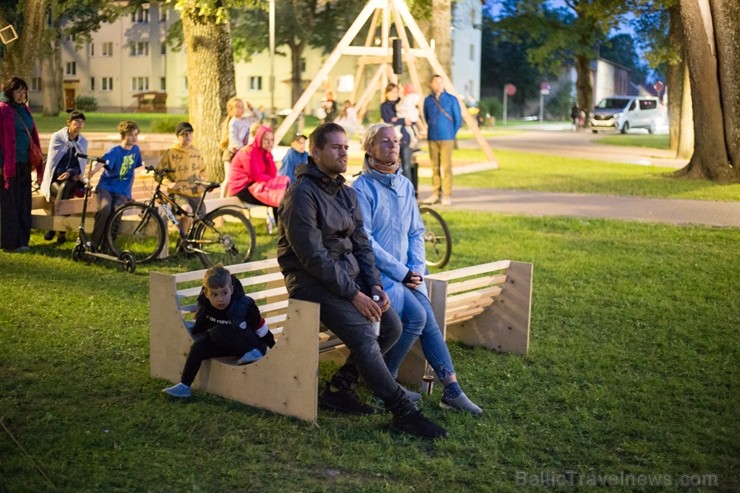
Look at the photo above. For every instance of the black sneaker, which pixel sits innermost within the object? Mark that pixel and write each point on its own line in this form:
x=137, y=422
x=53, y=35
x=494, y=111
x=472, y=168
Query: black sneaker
x=344, y=401
x=416, y=424
x=50, y=235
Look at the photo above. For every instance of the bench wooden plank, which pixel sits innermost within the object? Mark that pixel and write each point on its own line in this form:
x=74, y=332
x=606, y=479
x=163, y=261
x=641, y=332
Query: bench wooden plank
x=475, y=283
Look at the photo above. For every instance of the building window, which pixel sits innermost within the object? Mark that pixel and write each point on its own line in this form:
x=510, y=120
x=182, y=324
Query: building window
x=255, y=83
x=141, y=15
x=162, y=83
x=92, y=83
x=107, y=49
x=140, y=84
x=163, y=48
x=162, y=14
x=35, y=84
x=303, y=64
x=472, y=52
x=71, y=68
x=140, y=48
x=70, y=37
x=107, y=83
x=91, y=49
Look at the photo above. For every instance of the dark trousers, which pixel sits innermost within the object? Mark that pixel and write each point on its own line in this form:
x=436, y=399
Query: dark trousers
x=107, y=203
x=366, y=352
x=15, y=209
x=218, y=342
x=246, y=196
x=63, y=190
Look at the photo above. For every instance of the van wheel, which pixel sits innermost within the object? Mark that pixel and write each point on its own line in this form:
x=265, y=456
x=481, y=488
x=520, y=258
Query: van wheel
x=625, y=127
x=651, y=128
x=594, y=131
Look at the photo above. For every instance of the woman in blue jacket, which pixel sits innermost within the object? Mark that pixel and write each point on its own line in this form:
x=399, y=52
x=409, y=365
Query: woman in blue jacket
x=398, y=245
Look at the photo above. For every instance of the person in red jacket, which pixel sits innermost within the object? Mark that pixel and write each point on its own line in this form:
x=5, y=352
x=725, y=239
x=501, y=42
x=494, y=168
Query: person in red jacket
x=253, y=177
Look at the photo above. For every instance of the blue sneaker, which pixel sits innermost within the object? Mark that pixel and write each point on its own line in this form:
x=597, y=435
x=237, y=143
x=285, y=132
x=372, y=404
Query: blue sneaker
x=180, y=390
x=250, y=357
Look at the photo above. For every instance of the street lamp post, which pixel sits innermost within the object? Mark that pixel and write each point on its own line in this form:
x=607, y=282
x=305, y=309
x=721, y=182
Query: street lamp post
x=273, y=116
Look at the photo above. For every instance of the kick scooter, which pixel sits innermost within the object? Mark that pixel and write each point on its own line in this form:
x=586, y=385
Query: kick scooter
x=83, y=249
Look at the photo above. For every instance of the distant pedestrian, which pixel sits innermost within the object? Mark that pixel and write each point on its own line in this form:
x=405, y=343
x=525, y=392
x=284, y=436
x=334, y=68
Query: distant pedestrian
x=575, y=113
x=444, y=118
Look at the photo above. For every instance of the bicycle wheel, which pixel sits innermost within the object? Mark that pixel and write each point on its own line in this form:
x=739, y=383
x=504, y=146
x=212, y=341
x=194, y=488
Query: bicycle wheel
x=137, y=228
x=437, y=239
x=225, y=236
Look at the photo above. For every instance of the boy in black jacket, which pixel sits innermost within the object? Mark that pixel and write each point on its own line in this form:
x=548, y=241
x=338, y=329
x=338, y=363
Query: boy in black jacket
x=231, y=325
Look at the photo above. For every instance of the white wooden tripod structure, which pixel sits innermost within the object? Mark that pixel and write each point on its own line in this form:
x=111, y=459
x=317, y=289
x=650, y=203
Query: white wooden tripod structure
x=386, y=11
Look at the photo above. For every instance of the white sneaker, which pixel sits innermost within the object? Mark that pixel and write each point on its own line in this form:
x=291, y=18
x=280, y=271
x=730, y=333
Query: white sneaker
x=250, y=357
x=460, y=403
x=447, y=201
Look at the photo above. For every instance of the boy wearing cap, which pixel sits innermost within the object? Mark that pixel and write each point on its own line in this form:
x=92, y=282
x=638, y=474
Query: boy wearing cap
x=295, y=156
x=189, y=167
x=114, y=187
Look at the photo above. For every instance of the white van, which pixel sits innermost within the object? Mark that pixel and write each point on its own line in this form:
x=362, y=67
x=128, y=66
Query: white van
x=624, y=113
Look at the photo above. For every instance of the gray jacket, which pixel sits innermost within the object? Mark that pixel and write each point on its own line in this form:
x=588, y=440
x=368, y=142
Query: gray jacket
x=322, y=244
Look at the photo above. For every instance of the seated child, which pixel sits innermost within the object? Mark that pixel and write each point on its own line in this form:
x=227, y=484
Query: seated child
x=295, y=156
x=189, y=167
x=231, y=325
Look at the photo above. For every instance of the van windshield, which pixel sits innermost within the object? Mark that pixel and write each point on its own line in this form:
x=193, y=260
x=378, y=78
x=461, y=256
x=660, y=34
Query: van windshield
x=612, y=104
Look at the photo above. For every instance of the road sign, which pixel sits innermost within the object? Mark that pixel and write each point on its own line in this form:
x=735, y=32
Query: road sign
x=545, y=86
x=510, y=89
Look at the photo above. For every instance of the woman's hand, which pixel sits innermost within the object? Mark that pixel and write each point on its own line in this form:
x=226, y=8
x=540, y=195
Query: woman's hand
x=64, y=176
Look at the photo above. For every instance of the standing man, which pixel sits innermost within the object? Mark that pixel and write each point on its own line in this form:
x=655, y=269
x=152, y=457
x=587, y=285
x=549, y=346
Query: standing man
x=443, y=117
x=325, y=256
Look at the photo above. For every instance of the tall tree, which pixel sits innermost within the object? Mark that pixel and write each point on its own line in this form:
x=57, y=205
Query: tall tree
x=441, y=32
x=565, y=32
x=210, y=73
x=27, y=18
x=621, y=48
x=711, y=36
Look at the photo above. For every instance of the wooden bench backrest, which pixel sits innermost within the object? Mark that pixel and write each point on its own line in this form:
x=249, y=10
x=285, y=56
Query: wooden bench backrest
x=487, y=304
x=263, y=282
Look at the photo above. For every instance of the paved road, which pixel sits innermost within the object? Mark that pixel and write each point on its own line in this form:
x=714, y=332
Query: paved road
x=561, y=141
x=669, y=211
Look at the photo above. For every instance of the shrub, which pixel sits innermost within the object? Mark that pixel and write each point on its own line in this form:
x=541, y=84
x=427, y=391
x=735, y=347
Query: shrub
x=86, y=103
x=166, y=125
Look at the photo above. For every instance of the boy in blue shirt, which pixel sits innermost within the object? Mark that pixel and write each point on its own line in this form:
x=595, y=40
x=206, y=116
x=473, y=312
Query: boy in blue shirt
x=295, y=156
x=114, y=187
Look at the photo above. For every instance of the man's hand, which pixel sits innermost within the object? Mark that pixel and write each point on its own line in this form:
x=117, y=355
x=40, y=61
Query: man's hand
x=64, y=176
x=384, y=303
x=367, y=307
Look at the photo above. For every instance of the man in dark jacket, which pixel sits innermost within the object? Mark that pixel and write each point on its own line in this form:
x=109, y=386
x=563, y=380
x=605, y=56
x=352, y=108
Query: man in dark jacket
x=325, y=256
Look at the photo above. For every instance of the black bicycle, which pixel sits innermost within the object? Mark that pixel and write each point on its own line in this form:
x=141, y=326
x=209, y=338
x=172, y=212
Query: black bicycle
x=223, y=235
x=437, y=239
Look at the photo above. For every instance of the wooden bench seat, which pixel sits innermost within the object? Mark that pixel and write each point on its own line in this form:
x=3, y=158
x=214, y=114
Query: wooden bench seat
x=490, y=301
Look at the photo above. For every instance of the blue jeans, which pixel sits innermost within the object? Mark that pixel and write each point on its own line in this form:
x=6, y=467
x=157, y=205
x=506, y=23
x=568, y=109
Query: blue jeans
x=366, y=352
x=419, y=323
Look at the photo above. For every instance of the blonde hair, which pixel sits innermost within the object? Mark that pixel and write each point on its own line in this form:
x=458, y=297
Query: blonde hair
x=369, y=138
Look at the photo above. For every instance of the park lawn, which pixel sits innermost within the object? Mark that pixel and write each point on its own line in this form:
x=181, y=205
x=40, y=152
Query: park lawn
x=526, y=171
x=108, y=122
x=659, y=141
x=632, y=374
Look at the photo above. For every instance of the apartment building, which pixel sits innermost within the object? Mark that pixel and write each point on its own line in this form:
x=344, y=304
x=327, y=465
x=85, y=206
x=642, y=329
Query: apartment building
x=127, y=66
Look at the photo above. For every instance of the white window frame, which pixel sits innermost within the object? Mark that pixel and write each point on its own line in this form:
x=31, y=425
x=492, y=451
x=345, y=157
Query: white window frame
x=106, y=84
x=139, y=48
x=139, y=84
x=70, y=68
x=255, y=83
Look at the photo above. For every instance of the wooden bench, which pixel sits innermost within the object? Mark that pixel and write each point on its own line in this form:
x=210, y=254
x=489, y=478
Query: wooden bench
x=485, y=305
x=285, y=381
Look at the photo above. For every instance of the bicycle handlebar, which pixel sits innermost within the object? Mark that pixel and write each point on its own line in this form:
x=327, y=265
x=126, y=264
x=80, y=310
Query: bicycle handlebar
x=91, y=158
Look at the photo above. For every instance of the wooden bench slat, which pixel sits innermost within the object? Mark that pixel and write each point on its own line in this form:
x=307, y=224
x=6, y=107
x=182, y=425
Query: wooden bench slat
x=476, y=283
x=471, y=271
x=472, y=297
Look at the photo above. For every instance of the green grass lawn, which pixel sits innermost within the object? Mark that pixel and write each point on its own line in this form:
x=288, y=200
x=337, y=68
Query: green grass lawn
x=631, y=140
x=632, y=375
x=108, y=122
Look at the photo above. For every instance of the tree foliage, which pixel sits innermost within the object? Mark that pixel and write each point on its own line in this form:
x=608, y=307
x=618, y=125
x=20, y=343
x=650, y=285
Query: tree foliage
x=561, y=33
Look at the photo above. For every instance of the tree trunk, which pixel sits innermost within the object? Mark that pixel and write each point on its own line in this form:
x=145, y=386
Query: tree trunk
x=710, y=159
x=686, y=122
x=296, y=52
x=51, y=75
x=441, y=28
x=584, y=88
x=210, y=79
x=22, y=53
x=674, y=77
x=726, y=16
